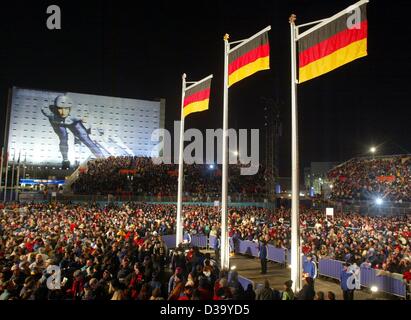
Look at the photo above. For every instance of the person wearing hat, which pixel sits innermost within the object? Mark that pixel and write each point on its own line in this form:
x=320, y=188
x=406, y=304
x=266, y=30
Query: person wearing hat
x=188, y=292
x=310, y=268
x=262, y=248
x=307, y=292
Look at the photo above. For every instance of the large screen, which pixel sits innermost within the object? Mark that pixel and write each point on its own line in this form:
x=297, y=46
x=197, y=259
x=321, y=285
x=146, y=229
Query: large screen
x=65, y=128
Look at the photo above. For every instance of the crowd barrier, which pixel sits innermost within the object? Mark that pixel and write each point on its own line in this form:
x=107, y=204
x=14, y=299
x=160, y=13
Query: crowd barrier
x=392, y=284
x=330, y=268
x=212, y=241
x=196, y=240
x=388, y=283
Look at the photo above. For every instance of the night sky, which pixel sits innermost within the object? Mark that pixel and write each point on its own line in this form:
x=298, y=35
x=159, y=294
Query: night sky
x=140, y=51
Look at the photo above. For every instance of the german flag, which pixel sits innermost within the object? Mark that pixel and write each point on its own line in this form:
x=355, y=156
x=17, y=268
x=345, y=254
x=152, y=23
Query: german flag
x=197, y=97
x=332, y=46
x=248, y=59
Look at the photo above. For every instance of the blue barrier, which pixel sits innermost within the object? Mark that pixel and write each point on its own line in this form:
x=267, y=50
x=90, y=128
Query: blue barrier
x=211, y=241
x=232, y=245
x=368, y=277
x=170, y=240
x=385, y=283
x=276, y=254
x=199, y=241
x=245, y=282
x=330, y=268
x=248, y=248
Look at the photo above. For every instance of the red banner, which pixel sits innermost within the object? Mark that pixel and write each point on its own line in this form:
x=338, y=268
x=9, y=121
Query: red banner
x=128, y=171
x=173, y=173
x=386, y=178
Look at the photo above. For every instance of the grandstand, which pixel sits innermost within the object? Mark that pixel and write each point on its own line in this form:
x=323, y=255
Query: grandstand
x=370, y=178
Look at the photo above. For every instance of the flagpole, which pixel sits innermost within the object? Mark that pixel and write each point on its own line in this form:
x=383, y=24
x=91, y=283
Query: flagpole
x=12, y=177
x=295, y=216
x=1, y=168
x=179, y=222
x=224, y=250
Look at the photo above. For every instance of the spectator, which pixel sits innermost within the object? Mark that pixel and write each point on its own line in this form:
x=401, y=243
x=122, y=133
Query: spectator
x=264, y=292
x=263, y=256
x=307, y=292
x=331, y=295
x=319, y=295
x=347, y=283
x=288, y=293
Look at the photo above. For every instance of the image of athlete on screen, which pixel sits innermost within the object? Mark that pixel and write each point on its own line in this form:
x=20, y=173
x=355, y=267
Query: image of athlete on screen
x=61, y=120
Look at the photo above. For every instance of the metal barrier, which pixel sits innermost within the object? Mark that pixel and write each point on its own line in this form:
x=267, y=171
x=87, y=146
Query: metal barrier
x=211, y=241
x=248, y=247
x=388, y=283
x=276, y=254
x=196, y=240
x=330, y=268
x=199, y=241
x=170, y=241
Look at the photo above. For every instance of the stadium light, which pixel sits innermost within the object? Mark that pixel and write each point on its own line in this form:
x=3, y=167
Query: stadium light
x=379, y=201
x=373, y=150
x=211, y=166
x=374, y=289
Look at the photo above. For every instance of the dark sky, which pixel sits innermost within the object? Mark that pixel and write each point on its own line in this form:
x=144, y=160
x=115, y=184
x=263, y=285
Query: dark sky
x=140, y=49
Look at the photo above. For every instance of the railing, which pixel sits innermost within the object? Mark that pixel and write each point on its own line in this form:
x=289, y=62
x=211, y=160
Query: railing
x=390, y=283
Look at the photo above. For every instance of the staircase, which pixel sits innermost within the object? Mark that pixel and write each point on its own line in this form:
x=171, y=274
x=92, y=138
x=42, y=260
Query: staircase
x=74, y=176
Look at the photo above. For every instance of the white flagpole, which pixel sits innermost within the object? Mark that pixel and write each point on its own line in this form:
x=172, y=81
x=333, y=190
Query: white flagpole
x=12, y=177
x=224, y=250
x=179, y=222
x=6, y=176
x=1, y=168
x=295, y=198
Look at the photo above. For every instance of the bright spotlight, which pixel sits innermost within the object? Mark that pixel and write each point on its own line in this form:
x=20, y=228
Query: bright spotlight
x=235, y=153
x=374, y=289
x=211, y=166
x=233, y=268
x=373, y=149
x=378, y=201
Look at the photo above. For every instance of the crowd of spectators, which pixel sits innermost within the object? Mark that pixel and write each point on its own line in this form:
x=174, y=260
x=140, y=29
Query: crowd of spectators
x=117, y=252
x=141, y=176
x=388, y=178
